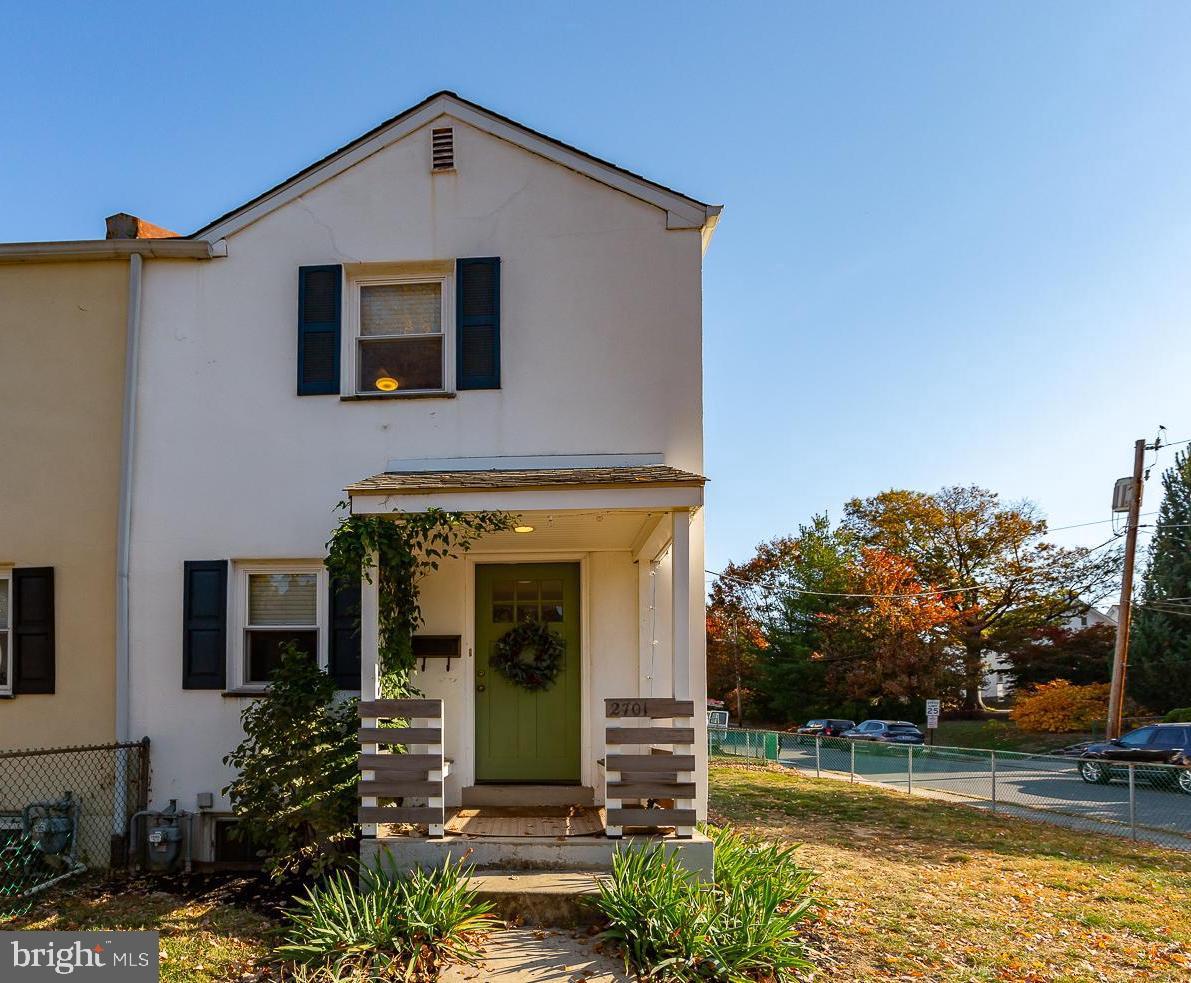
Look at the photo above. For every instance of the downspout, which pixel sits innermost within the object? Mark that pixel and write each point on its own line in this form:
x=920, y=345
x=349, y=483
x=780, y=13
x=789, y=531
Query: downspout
x=124, y=519
x=132, y=346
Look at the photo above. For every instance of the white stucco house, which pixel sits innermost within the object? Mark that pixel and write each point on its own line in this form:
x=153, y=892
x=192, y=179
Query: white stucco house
x=452, y=311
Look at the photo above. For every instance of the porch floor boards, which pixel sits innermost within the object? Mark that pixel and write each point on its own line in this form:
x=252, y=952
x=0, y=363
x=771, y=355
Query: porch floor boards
x=527, y=821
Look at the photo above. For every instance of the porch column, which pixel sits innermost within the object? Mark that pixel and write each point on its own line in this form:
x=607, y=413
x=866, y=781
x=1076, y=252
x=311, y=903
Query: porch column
x=680, y=609
x=369, y=659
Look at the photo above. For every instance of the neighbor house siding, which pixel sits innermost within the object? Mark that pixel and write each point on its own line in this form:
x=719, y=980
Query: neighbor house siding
x=62, y=331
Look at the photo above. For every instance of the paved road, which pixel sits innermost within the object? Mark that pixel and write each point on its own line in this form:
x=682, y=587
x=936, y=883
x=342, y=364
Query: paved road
x=1035, y=783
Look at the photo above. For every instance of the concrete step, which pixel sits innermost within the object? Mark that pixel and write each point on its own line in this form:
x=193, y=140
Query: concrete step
x=528, y=795
x=553, y=898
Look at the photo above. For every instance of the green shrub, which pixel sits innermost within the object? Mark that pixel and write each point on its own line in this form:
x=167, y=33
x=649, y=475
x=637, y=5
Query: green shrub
x=391, y=924
x=1179, y=715
x=744, y=927
x=295, y=794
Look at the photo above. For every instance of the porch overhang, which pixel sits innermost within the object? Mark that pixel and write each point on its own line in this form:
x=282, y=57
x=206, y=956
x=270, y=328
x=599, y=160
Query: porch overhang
x=528, y=490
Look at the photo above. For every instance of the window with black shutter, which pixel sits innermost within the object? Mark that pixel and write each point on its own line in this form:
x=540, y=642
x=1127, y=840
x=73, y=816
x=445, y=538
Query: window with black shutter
x=204, y=624
x=344, y=656
x=477, y=323
x=319, y=319
x=32, y=630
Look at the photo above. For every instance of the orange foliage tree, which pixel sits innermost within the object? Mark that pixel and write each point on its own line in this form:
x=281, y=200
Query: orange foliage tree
x=890, y=644
x=1059, y=707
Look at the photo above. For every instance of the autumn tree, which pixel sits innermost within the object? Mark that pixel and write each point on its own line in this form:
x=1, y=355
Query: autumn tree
x=734, y=644
x=888, y=644
x=1160, y=644
x=1079, y=655
x=1005, y=579
x=780, y=595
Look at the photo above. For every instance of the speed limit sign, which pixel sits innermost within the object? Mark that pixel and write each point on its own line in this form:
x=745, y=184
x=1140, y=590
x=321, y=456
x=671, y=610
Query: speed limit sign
x=932, y=713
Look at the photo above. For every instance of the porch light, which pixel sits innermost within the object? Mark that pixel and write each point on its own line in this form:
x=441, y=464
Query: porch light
x=522, y=528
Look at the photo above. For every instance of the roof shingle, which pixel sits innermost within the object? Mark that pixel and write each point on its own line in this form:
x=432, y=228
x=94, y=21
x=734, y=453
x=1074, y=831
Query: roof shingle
x=414, y=482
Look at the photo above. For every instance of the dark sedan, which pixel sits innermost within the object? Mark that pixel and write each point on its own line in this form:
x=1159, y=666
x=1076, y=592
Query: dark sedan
x=886, y=732
x=826, y=728
x=1158, y=744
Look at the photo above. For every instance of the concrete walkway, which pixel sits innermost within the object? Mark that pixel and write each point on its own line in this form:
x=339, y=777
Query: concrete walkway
x=530, y=955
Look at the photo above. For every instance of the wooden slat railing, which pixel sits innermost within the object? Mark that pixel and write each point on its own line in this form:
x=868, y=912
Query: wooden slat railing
x=649, y=773
x=387, y=772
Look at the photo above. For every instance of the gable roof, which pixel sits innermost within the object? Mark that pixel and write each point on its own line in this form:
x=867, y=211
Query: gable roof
x=682, y=211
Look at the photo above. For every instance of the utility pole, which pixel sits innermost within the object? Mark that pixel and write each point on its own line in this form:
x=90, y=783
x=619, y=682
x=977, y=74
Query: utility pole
x=736, y=666
x=1120, y=659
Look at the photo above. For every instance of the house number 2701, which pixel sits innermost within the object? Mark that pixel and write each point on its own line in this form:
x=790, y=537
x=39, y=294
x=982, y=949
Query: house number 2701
x=626, y=708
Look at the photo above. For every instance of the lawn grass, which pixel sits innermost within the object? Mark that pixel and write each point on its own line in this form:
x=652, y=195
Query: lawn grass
x=1002, y=735
x=203, y=937
x=916, y=889
x=920, y=889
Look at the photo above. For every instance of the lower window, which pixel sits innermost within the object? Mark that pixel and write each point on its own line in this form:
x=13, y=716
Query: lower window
x=281, y=607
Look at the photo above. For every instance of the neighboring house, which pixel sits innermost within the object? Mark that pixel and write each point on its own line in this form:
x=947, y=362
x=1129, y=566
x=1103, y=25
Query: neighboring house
x=63, y=309
x=451, y=311
x=998, y=679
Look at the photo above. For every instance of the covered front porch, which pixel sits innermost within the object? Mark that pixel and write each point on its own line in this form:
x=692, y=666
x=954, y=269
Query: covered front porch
x=516, y=770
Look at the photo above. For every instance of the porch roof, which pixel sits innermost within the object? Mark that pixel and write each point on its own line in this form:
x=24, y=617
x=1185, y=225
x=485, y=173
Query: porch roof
x=432, y=482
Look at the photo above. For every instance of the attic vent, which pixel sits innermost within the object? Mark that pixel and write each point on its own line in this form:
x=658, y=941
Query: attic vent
x=442, y=149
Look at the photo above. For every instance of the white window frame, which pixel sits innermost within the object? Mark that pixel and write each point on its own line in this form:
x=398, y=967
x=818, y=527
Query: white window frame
x=350, y=354
x=239, y=647
x=6, y=687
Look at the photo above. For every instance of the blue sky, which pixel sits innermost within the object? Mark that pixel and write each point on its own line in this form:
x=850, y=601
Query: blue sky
x=956, y=242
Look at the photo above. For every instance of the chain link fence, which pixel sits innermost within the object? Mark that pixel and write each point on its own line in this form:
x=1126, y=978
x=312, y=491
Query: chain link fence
x=66, y=810
x=1145, y=801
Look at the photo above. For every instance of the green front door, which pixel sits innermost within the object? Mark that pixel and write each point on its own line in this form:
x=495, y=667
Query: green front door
x=524, y=736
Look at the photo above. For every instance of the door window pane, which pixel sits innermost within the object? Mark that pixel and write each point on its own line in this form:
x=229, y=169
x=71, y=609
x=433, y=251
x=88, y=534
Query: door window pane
x=552, y=600
x=527, y=600
x=502, y=601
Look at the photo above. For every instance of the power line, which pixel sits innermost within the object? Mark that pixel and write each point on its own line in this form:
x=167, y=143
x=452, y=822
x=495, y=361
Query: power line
x=1096, y=522
x=822, y=593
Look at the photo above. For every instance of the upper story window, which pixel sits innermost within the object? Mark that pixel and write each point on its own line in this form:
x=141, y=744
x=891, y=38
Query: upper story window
x=401, y=344
x=5, y=632
x=406, y=328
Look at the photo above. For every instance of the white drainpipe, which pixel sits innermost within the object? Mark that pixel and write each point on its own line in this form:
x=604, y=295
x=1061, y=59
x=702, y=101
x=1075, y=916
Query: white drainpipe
x=124, y=519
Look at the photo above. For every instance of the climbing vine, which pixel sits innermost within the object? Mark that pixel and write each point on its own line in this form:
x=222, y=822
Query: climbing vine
x=408, y=546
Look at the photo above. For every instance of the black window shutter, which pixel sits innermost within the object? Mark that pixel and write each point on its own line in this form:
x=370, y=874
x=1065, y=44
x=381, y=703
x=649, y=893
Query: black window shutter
x=319, y=317
x=204, y=624
x=33, y=629
x=344, y=658
x=477, y=323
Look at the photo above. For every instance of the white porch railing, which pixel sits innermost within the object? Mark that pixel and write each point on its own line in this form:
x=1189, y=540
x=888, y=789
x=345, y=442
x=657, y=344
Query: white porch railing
x=635, y=771
x=392, y=774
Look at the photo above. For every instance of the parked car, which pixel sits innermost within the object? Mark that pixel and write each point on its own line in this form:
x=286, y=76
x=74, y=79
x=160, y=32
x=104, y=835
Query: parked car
x=1157, y=744
x=887, y=732
x=826, y=727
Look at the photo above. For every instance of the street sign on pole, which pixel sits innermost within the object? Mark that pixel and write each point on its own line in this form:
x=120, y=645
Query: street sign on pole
x=932, y=718
x=932, y=713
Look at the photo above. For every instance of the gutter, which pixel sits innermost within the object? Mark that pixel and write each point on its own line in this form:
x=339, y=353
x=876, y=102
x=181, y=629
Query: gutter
x=101, y=249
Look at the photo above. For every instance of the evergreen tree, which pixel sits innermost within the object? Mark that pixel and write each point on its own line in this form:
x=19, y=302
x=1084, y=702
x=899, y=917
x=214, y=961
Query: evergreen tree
x=1159, y=674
